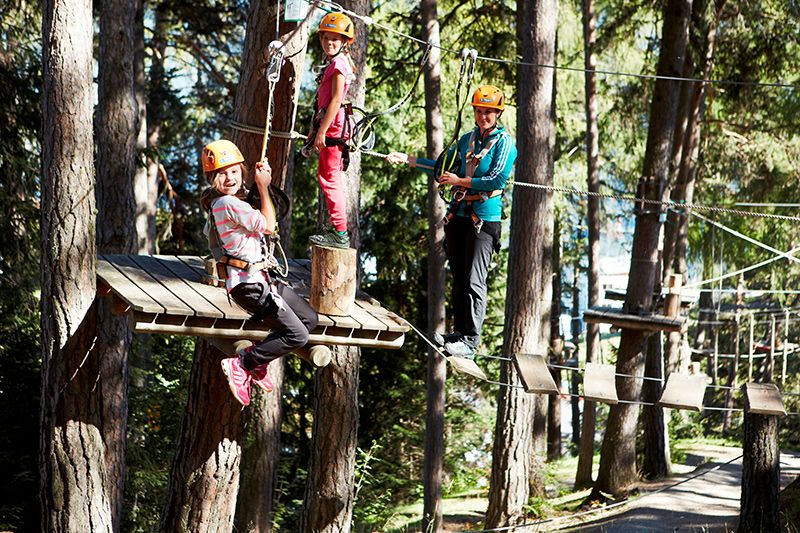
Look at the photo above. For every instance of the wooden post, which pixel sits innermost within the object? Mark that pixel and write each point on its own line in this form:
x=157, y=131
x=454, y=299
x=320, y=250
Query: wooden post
x=785, y=348
x=750, y=351
x=770, y=367
x=333, y=280
x=761, y=474
x=715, y=356
x=672, y=302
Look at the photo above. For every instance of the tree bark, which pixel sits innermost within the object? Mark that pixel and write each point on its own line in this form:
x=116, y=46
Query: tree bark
x=529, y=289
x=117, y=131
x=656, y=463
x=618, y=458
x=437, y=366
x=204, y=481
x=575, y=331
x=145, y=189
x=155, y=111
x=761, y=475
x=74, y=491
x=556, y=351
x=330, y=493
x=583, y=473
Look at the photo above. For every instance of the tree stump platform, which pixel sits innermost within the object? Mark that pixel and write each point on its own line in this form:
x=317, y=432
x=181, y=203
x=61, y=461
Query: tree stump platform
x=164, y=294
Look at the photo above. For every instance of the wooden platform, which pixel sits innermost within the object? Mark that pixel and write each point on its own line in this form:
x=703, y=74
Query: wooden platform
x=615, y=317
x=163, y=294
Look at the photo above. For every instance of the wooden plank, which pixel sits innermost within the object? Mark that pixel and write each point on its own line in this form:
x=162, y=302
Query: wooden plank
x=629, y=321
x=600, y=383
x=763, y=399
x=684, y=391
x=466, y=366
x=127, y=290
x=216, y=297
x=171, y=303
x=534, y=374
x=177, y=286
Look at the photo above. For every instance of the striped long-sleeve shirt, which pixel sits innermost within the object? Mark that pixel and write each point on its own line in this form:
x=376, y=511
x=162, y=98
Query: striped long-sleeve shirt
x=240, y=229
x=492, y=172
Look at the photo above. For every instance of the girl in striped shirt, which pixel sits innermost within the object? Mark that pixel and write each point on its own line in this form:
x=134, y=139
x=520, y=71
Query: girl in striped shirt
x=240, y=230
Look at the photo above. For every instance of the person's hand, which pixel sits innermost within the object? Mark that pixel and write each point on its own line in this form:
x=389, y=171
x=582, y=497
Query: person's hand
x=448, y=178
x=263, y=175
x=397, y=158
x=319, y=141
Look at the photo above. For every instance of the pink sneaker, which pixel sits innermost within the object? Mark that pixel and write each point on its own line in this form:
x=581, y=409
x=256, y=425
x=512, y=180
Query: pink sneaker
x=238, y=379
x=261, y=378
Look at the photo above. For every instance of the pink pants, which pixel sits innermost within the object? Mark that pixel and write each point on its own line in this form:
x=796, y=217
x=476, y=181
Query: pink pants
x=331, y=177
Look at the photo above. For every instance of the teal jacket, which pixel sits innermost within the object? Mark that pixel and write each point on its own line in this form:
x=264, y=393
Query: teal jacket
x=492, y=172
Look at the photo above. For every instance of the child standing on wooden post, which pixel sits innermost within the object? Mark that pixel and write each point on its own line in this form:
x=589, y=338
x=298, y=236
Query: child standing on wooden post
x=237, y=237
x=331, y=126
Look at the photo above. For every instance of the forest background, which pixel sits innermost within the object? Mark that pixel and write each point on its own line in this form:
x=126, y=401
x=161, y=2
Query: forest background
x=750, y=152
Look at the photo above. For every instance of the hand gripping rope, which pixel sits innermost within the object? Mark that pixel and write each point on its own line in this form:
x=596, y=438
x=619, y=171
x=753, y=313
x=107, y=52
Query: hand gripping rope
x=465, y=75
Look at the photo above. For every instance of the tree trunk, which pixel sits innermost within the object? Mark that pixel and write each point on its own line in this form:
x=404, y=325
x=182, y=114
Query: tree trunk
x=618, y=457
x=529, y=288
x=437, y=366
x=204, y=481
x=761, y=474
x=575, y=331
x=330, y=493
x=260, y=456
x=656, y=464
x=583, y=473
x=74, y=487
x=117, y=131
x=157, y=97
x=556, y=351
x=145, y=189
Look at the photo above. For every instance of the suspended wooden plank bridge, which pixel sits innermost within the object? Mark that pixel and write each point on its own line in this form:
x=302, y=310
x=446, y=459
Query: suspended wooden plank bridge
x=164, y=294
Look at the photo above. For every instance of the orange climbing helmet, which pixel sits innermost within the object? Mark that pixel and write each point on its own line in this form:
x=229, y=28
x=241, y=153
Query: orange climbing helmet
x=221, y=153
x=489, y=96
x=338, y=23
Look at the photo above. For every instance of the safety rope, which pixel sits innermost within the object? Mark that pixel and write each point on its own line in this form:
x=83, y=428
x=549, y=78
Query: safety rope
x=273, y=74
x=363, y=129
x=745, y=237
x=678, y=206
x=465, y=75
x=369, y=21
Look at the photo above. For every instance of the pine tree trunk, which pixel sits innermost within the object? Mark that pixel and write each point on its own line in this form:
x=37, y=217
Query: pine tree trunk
x=330, y=491
x=618, y=458
x=583, y=473
x=204, y=480
x=145, y=189
x=155, y=111
x=761, y=474
x=117, y=131
x=556, y=351
x=260, y=456
x=529, y=288
x=656, y=463
x=74, y=487
x=437, y=367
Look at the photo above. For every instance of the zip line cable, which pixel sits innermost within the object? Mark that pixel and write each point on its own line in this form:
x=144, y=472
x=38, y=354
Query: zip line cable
x=369, y=21
x=744, y=237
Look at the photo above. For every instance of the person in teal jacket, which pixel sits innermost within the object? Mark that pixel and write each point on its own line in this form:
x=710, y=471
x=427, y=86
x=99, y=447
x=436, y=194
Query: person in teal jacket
x=485, y=158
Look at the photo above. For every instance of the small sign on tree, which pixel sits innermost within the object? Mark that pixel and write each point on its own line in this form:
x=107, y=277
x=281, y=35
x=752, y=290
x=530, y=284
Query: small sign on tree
x=295, y=11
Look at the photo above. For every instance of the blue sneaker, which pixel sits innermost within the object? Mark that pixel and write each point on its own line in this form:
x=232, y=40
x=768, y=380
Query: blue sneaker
x=460, y=349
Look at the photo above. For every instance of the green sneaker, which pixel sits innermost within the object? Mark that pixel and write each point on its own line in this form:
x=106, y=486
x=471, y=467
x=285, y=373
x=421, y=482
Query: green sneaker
x=332, y=239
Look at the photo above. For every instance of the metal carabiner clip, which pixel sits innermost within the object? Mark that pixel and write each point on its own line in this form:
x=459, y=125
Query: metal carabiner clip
x=459, y=195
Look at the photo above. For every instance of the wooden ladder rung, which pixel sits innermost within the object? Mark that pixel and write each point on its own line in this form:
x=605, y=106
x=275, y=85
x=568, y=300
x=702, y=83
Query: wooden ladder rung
x=600, y=383
x=535, y=375
x=684, y=391
x=466, y=366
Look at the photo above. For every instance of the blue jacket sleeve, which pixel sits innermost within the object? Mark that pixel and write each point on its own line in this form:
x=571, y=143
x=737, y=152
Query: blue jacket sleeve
x=504, y=153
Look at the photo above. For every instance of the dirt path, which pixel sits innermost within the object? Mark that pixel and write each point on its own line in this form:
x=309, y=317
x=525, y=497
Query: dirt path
x=707, y=503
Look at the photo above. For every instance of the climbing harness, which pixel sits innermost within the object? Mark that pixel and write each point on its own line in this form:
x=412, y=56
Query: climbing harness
x=273, y=73
x=461, y=194
x=465, y=75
